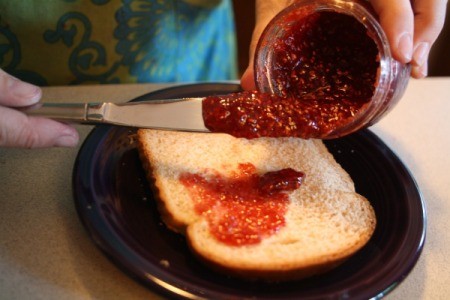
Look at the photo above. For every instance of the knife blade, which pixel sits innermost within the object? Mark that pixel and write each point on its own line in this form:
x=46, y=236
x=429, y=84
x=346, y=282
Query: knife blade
x=184, y=114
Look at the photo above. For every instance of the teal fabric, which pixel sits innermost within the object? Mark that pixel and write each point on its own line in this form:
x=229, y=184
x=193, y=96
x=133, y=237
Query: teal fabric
x=55, y=42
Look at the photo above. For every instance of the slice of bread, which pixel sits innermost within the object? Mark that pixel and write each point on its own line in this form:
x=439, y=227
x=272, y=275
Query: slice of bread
x=326, y=220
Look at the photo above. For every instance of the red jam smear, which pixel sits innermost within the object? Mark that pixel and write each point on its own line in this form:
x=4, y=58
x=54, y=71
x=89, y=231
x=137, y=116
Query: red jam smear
x=246, y=207
x=325, y=68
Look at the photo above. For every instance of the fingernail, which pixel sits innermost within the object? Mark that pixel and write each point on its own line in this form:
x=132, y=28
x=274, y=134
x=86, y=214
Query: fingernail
x=420, y=71
x=405, y=46
x=421, y=53
x=24, y=90
x=69, y=140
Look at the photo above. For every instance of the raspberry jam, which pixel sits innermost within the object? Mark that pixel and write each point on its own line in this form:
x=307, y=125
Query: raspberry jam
x=328, y=57
x=253, y=114
x=323, y=69
x=246, y=207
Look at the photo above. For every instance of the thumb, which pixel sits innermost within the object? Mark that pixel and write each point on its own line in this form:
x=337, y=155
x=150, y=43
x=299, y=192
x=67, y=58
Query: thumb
x=265, y=10
x=248, y=79
x=15, y=93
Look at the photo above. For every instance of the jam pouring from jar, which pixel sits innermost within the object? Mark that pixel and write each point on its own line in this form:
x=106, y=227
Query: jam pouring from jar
x=325, y=67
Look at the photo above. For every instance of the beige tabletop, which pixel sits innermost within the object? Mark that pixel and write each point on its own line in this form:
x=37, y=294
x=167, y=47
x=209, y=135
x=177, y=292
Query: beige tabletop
x=45, y=253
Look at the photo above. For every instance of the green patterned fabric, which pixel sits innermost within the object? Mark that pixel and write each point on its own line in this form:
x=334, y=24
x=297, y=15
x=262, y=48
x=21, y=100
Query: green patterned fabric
x=58, y=42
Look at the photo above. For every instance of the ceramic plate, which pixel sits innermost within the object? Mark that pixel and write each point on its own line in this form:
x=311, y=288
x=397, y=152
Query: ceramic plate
x=117, y=208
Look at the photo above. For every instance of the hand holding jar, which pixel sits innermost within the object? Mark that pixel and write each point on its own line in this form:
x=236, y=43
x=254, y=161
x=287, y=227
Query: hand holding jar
x=411, y=29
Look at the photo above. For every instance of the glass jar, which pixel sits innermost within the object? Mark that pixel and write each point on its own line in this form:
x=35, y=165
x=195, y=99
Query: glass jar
x=390, y=77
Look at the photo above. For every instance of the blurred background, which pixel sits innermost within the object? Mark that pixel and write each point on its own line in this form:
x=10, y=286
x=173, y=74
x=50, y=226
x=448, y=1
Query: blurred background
x=438, y=64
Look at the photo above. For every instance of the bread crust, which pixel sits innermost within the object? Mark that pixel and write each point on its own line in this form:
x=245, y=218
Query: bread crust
x=327, y=221
x=170, y=219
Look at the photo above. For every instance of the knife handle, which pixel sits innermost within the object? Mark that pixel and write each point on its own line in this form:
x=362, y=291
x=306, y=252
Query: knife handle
x=87, y=113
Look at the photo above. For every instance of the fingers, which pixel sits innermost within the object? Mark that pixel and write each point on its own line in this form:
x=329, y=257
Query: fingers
x=18, y=130
x=16, y=93
x=428, y=23
x=411, y=29
x=397, y=20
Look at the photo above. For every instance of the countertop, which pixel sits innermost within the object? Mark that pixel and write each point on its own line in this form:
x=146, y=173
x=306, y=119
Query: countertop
x=45, y=252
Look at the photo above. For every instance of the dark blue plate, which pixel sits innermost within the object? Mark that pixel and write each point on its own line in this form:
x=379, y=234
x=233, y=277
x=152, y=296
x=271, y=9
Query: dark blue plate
x=116, y=206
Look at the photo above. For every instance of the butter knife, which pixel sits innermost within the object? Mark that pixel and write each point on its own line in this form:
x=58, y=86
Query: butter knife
x=183, y=114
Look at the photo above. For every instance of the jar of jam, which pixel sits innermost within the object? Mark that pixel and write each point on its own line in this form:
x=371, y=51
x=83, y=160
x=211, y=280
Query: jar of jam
x=334, y=57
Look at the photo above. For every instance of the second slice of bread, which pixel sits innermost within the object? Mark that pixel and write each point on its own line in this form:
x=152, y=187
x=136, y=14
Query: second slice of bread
x=326, y=220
